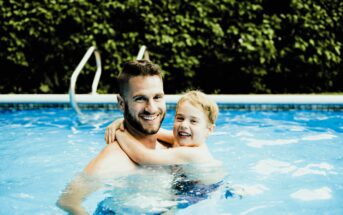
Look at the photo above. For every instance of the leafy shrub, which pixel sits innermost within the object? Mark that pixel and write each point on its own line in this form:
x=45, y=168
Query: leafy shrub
x=223, y=46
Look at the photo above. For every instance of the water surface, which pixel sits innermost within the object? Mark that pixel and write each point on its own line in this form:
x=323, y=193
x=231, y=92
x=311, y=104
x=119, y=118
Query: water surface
x=276, y=162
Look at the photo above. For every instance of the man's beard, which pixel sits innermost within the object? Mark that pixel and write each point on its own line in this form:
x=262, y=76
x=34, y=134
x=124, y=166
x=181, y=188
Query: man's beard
x=138, y=125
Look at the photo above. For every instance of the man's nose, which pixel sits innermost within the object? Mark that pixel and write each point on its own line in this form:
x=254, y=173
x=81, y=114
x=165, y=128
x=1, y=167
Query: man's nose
x=151, y=106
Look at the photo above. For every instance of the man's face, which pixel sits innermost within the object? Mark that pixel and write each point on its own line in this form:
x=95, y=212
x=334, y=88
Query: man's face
x=144, y=105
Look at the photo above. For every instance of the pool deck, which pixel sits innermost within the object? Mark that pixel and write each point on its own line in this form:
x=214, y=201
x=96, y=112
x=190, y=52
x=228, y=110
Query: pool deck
x=220, y=99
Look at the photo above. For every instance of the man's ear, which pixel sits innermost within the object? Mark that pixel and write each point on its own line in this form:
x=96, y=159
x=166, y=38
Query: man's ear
x=121, y=103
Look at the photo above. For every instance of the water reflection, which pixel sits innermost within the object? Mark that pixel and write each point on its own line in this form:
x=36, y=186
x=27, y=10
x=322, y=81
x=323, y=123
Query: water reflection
x=161, y=189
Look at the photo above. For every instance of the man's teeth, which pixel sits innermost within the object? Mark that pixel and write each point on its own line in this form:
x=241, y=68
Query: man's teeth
x=149, y=117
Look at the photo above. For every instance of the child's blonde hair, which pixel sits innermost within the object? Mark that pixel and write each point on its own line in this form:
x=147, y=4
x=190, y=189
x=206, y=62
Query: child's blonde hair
x=201, y=100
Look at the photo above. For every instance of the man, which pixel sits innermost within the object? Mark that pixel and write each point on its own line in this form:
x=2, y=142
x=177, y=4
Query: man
x=141, y=98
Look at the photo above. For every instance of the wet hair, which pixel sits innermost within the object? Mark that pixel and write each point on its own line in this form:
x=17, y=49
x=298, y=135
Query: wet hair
x=202, y=101
x=136, y=68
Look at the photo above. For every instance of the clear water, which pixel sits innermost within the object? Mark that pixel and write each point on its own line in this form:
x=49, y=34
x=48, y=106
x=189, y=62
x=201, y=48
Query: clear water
x=283, y=162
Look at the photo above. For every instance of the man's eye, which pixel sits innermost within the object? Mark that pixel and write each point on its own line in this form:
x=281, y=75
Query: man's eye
x=139, y=99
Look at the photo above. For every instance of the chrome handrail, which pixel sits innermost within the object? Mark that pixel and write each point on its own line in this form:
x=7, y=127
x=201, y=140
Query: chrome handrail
x=143, y=52
x=77, y=72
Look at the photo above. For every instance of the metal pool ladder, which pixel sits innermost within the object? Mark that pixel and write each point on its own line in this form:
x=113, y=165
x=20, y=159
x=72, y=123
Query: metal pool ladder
x=142, y=53
x=77, y=72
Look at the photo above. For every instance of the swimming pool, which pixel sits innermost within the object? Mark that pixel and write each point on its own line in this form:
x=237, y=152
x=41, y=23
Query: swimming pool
x=277, y=162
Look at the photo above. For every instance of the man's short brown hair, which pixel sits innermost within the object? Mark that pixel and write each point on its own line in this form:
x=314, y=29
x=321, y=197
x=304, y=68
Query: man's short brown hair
x=136, y=68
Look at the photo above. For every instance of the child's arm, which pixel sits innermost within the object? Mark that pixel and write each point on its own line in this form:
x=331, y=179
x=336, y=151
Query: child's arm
x=142, y=155
x=110, y=134
x=165, y=136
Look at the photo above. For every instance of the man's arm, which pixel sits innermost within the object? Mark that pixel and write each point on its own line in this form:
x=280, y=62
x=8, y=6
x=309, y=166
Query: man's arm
x=73, y=195
x=109, y=162
x=142, y=155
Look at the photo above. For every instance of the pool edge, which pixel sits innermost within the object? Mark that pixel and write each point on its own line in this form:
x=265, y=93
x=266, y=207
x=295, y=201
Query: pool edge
x=239, y=101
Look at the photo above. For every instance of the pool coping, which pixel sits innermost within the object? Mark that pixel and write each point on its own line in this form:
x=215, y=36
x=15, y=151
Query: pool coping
x=220, y=99
x=250, y=102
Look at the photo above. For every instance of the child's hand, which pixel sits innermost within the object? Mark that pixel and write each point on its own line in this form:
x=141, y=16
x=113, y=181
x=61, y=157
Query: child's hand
x=110, y=134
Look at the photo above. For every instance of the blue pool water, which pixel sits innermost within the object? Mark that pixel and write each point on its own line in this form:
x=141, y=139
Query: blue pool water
x=276, y=162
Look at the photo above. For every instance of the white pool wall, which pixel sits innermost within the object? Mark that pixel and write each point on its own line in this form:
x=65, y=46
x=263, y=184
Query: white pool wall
x=221, y=99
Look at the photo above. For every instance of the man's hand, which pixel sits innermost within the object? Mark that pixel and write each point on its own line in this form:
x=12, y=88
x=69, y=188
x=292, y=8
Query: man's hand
x=110, y=134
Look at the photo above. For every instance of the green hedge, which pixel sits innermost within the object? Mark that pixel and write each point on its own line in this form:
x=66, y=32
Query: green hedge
x=222, y=46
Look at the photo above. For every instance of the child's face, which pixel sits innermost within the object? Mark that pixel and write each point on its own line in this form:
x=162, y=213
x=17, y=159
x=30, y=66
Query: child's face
x=190, y=125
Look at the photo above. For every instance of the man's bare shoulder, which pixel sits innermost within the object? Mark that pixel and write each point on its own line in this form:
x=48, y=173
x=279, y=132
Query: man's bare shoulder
x=110, y=159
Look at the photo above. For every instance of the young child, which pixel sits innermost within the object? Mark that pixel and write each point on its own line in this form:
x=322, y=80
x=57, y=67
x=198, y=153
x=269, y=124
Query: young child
x=194, y=120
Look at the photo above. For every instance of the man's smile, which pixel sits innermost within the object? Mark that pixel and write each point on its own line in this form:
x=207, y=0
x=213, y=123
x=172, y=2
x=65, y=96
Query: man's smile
x=149, y=117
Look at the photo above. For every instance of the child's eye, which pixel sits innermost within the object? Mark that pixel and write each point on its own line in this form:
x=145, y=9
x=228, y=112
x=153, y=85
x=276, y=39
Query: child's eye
x=158, y=97
x=194, y=121
x=179, y=118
